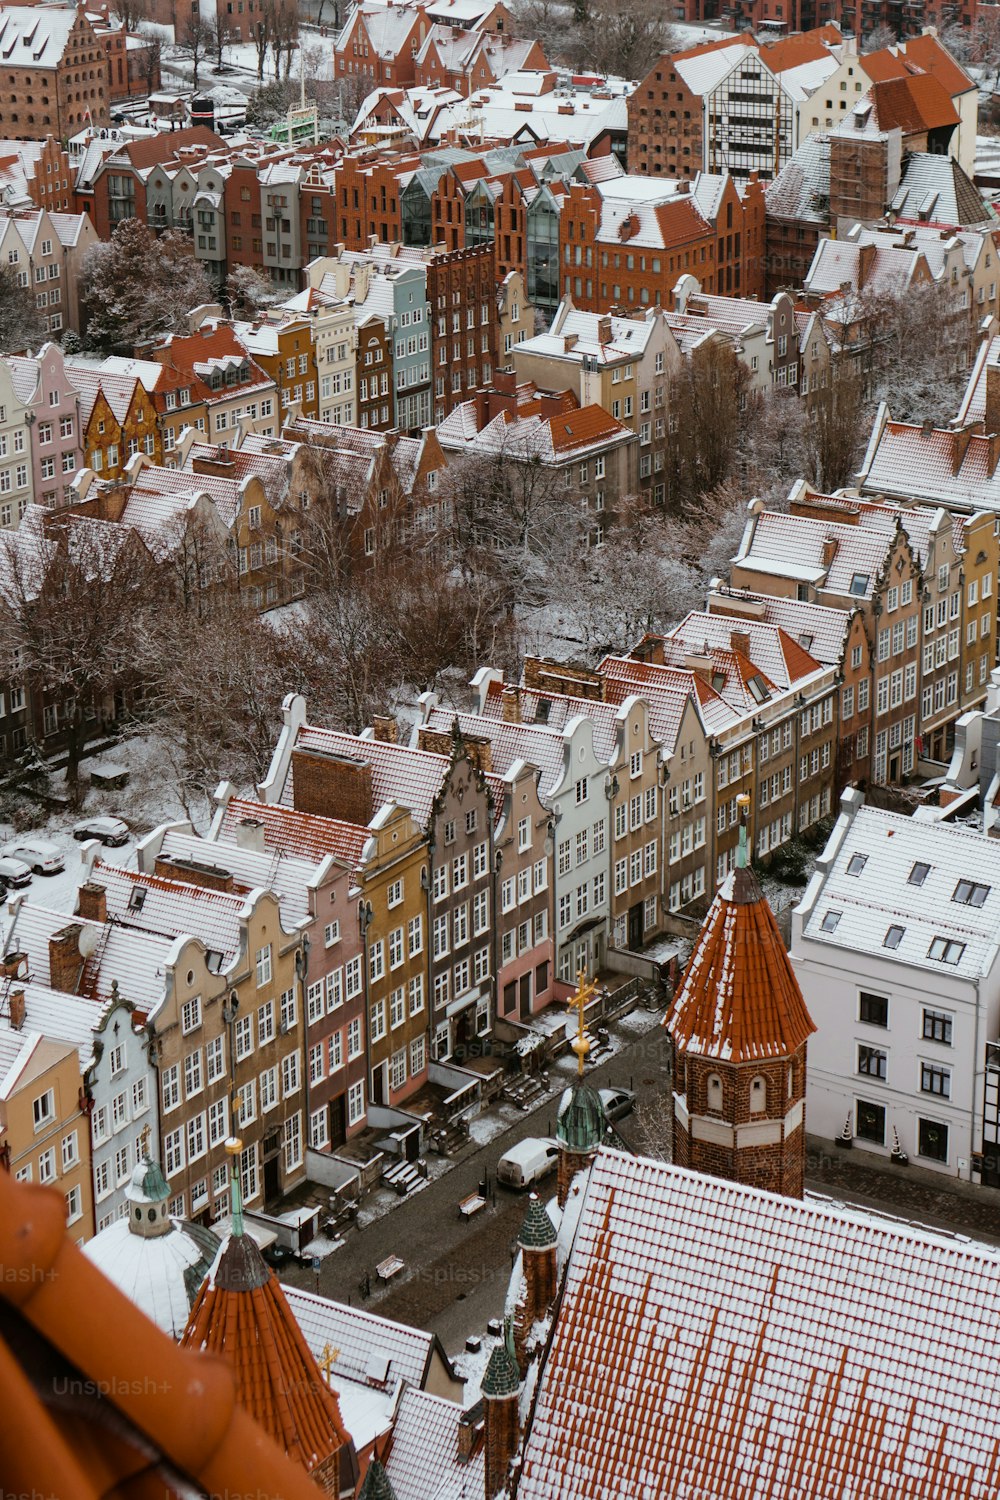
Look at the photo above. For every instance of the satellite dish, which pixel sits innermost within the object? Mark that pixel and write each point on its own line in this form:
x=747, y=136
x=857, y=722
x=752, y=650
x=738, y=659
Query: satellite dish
x=87, y=941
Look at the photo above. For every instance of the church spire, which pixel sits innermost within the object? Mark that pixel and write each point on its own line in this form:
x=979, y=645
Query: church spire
x=739, y=1027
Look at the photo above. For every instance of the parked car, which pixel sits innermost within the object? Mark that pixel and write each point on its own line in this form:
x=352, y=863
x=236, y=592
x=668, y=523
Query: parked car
x=14, y=874
x=617, y=1102
x=110, y=831
x=40, y=855
x=528, y=1161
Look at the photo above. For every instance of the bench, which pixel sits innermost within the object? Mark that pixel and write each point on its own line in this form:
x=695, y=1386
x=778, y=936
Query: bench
x=390, y=1267
x=471, y=1205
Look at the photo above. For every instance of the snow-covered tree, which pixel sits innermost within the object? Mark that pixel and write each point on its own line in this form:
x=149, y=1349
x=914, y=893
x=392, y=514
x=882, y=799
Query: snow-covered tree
x=248, y=291
x=135, y=285
x=21, y=324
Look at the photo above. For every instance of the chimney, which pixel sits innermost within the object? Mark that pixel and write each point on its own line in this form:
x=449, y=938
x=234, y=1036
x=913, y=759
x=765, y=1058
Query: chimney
x=500, y=1387
x=92, y=902
x=16, y=1003
x=250, y=835
x=991, y=411
x=14, y=966
x=510, y=705
x=829, y=550
x=604, y=330
x=333, y=786
x=386, y=728
x=469, y=1429
x=65, y=959
x=479, y=749
x=193, y=872
x=700, y=665
x=739, y=640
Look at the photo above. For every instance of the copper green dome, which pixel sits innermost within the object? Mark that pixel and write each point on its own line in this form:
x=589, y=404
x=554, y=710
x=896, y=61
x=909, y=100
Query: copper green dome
x=502, y=1376
x=376, y=1485
x=538, y=1231
x=581, y=1122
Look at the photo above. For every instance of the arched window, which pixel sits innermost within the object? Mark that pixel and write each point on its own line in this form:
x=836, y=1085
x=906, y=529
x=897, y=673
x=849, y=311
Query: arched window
x=714, y=1091
x=758, y=1096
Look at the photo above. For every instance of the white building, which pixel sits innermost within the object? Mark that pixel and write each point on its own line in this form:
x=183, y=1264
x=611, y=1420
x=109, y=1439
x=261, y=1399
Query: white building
x=895, y=944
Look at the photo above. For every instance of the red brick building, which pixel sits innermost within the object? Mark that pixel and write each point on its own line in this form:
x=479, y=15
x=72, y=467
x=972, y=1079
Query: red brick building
x=53, y=72
x=739, y=1028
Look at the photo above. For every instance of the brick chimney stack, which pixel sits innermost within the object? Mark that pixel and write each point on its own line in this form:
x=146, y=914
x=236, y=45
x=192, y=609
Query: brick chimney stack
x=92, y=902
x=510, y=705
x=537, y=1243
x=16, y=1003
x=65, y=959
x=386, y=728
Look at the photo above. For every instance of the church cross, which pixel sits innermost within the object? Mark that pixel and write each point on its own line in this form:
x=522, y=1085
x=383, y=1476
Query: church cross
x=145, y=1136
x=585, y=992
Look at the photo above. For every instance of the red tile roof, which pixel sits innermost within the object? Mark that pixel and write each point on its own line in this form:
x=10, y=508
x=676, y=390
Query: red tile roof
x=152, y=1416
x=739, y=999
x=297, y=833
x=160, y=148
x=920, y=54
x=915, y=103
x=241, y=1314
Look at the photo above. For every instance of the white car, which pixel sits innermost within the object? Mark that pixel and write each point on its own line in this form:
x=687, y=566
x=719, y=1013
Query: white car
x=110, y=831
x=14, y=874
x=40, y=855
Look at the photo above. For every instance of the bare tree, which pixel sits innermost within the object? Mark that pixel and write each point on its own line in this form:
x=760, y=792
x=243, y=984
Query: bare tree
x=131, y=12
x=248, y=291
x=21, y=324
x=72, y=600
x=220, y=36
x=554, y=26
x=195, y=39
x=626, y=39
x=707, y=400
x=262, y=39
x=880, y=37
x=136, y=284
x=838, y=426
x=985, y=46
x=152, y=54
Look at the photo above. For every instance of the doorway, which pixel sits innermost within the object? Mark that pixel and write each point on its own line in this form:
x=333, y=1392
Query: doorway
x=635, y=927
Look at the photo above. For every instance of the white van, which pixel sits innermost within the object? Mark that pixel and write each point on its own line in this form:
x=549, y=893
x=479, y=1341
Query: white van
x=528, y=1161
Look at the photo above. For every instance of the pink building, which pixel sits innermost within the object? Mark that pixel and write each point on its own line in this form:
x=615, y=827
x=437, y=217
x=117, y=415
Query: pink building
x=53, y=415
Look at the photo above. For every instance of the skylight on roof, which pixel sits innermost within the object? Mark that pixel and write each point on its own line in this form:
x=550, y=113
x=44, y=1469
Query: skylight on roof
x=946, y=950
x=137, y=899
x=859, y=584
x=893, y=937
x=758, y=688
x=830, y=920
x=969, y=893
x=856, y=864
x=919, y=873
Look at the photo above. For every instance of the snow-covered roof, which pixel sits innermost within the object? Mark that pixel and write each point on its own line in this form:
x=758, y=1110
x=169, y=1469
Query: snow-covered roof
x=160, y=1274
x=134, y=962
x=538, y=746
x=942, y=465
x=147, y=903
x=370, y=1350
x=424, y=1460
x=35, y=36
x=870, y=888
x=286, y=875
x=722, y=1340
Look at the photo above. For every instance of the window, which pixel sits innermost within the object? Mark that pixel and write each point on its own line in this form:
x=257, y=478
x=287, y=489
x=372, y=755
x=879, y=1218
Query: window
x=70, y=1154
x=43, y=1109
x=331, y=934
x=937, y=1027
x=394, y=895
x=870, y=1122
x=171, y=1085
x=355, y=1102
x=265, y=1024
x=935, y=1080
x=873, y=1062
x=932, y=1140
x=244, y=1037
x=946, y=950
x=289, y=1074
x=918, y=874
x=873, y=1010
x=215, y=1059
x=856, y=864
x=830, y=921
x=192, y=1073
x=968, y=893
x=581, y=790
x=191, y=1015
x=263, y=966
x=893, y=936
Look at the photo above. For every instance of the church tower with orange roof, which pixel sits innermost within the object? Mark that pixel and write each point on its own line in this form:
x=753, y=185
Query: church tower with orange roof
x=241, y=1314
x=739, y=1028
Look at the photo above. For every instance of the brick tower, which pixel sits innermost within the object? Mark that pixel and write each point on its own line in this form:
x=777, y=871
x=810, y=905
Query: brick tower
x=739, y=1028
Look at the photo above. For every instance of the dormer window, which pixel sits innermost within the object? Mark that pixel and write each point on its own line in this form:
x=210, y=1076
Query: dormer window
x=859, y=584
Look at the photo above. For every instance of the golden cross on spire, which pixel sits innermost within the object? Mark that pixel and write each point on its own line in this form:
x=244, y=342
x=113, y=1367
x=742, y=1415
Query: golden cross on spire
x=586, y=989
x=145, y=1136
x=327, y=1360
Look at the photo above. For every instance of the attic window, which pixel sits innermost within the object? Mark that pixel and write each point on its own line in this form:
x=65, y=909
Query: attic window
x=758, y=689
x=856, y=864
x=918, y=874
x=137, y=900
x=968, y=893
x=946, y=950
x=542, y=710
x=859, y=584
x=805, y=641
x=213, y=961
x=893, y=937
x=830, y=920
x=718, y=681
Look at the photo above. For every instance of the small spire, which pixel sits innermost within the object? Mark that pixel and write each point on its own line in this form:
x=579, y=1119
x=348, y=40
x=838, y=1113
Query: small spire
x=234, y=1146
x=742, y=852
